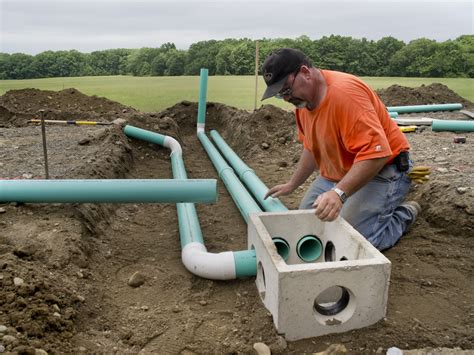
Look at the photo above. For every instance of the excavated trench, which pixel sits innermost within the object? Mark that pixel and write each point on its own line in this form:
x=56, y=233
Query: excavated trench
x=76, y=260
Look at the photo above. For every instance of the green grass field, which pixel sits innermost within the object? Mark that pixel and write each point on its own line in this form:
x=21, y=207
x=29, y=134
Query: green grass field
x=152, y=94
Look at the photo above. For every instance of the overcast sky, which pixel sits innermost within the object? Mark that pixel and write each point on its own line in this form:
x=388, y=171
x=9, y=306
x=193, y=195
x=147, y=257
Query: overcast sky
x=34, y=26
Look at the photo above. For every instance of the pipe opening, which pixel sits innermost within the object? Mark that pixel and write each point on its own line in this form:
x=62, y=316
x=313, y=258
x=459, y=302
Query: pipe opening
x=309, y=248
x=332, y=301
x=282, y=247
x=260, y=281
x=329, y=252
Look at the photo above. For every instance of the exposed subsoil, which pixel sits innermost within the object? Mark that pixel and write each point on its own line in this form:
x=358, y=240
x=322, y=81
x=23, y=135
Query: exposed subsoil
x=65, y=268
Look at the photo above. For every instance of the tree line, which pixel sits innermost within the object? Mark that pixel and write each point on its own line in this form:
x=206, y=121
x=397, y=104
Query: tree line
x=385, y=57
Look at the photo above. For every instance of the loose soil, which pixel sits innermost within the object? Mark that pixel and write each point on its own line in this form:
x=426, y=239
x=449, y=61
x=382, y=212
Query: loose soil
x=64, y=268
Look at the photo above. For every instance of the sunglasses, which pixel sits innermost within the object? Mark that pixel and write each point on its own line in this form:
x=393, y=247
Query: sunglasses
x=288, y=91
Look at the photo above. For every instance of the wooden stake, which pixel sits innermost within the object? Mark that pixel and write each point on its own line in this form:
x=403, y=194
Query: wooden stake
x=256, y=74
x=45, y=151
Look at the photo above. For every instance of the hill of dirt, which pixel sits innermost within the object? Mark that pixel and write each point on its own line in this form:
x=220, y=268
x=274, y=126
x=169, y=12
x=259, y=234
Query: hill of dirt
x=65, y=268
x=435, y=93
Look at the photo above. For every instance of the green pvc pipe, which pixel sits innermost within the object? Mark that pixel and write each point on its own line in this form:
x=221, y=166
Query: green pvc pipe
x=309, y=248
x=201, y=119
x=245, y=263
x=248, y=176
x=282, y=247
x=243, y=200
x=245, y=260
x=452, y=125
x=108, y=191
x=425, y=108
x=393, y=114
x=189, y=228
x=144, y=135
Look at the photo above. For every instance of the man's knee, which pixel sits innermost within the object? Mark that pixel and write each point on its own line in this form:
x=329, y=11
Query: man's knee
x=306, y=204
x=318, y=187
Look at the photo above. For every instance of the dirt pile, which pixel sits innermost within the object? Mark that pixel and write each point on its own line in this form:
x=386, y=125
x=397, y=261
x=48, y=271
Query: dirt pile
x=435, y=93
x=38, y=309
x=18, y=106
x=75, y=260
x=248, y=132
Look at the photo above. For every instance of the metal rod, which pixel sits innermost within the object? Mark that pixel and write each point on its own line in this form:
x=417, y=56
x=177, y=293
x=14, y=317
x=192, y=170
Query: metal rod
x=72, y=122
x=45, y=150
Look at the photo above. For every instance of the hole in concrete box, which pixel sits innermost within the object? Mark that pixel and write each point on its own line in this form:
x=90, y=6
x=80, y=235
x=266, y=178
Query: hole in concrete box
x=343, y=258
x=332, y=301
x=329, y=252
x=260, y=281
x=282, y=247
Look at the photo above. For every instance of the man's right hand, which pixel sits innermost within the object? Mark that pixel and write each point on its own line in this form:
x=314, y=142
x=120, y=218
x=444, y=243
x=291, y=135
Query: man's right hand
x=280, y=190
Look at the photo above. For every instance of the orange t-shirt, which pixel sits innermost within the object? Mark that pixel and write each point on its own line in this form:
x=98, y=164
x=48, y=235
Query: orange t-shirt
x=351, y=124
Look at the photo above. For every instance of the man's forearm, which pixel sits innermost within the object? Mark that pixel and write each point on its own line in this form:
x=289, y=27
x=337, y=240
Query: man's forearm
x=305, y=168
x=360, y=174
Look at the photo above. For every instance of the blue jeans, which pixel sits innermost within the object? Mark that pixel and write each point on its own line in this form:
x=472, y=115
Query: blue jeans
x=374, y=211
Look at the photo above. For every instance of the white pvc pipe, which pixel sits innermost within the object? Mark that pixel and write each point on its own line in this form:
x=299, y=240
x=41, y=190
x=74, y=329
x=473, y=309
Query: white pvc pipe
x=201, y=127
x=213, y=266
x=172, y=144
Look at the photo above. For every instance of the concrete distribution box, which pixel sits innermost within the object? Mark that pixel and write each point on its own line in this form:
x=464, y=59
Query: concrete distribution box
x=317, y=277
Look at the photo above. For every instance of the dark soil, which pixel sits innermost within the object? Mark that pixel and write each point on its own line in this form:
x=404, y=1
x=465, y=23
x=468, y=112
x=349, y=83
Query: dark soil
x=435, y=93
x=18, y=106
x=75, y=259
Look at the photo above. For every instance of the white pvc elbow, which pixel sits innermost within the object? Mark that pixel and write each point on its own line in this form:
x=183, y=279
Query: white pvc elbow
x=200, y=262
x=196, y=259
x=172, y=144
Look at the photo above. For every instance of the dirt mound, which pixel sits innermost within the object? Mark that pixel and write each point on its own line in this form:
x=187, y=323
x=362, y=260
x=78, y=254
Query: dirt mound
x=435, y=93
x=249, y=133
x=18, y=106
x=40, y=309
x=448, y=203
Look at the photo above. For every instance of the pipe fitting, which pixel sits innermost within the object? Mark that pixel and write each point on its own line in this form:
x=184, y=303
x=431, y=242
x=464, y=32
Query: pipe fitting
x=173, y=145
x=200, y=262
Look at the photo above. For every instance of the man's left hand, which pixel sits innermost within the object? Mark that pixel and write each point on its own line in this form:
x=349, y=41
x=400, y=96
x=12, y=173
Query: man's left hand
x=328, y=206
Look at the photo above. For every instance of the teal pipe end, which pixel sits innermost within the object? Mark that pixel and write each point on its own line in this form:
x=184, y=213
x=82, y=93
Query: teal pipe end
x=202, y=97
x=425, y=108
x=453, y=125
x=282, y=247
x=309, y=248
x=245, y=263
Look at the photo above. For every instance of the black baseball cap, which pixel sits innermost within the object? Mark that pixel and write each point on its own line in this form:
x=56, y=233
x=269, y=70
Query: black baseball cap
x=278, y=66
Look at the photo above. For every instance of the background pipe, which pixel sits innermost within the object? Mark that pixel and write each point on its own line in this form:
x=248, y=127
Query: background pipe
x=452, y=125
x=202, y=100
x=393, y=114
x=248, y=176
x=108, y=191
x=425, y=108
